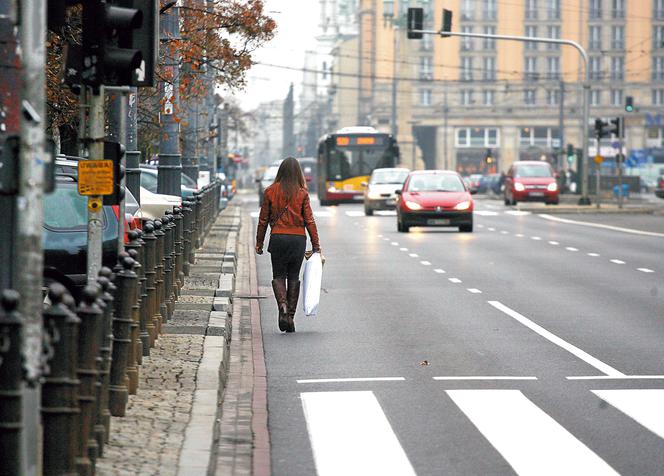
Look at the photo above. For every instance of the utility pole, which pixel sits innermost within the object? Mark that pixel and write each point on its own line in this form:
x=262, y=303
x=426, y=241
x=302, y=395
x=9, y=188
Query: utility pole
x=620, y=157
x=30, y=217
x=561, y=127
x=446, y=111
x=95, y=141
x=133, y=155
x=170, y=165
x=117, y=132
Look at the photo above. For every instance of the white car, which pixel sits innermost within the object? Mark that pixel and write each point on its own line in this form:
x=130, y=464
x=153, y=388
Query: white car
x=380, y=192
x=155, y=205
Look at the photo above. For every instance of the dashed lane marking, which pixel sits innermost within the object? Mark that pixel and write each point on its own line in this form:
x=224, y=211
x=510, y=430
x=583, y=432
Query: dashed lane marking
x=455, y=280
x=425, y=263
x=645, y=270
x=620, y=377
x=351, y=379
x=594, y=255
x=439, y=271
x=491, y=229
x=503, y=232
x=527, y=437
x=474, y=291
x=554, y=243
x=352, y=425
x=617, y=261
x=473, y=377
x=571, y=248
x=414, y=255
x=518, y=213
x=536, y=238
x=403, y=249
x=394, y=243
x=519, y=235
x=485, y=213
x=554, y=339
x=354, y=213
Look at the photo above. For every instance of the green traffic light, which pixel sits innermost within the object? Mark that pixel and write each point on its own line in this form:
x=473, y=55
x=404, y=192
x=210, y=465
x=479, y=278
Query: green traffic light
x=629, y=108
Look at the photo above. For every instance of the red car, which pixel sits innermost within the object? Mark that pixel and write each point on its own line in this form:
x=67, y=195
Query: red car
x=434, y=198
x=531, y=181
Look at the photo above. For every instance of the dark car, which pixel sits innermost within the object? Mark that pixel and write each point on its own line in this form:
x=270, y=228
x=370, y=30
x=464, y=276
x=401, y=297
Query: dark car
x=65, y=236
x=659, y=191
x=434, y=198
x=309, y=167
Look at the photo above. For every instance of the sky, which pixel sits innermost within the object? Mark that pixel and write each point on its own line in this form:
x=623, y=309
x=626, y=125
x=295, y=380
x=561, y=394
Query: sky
x=297, y=25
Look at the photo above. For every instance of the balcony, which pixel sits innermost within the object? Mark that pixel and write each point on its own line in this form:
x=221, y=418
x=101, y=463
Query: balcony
x=531, y=76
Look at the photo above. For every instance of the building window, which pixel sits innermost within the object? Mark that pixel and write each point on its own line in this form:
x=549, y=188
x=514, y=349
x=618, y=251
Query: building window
x=489, y=70
x=658, y=9
x=531, y=31
x=467, y=97
x=487, y=97
x=553, y=9
x=466, y=43
x=616, y=97
x=553, y=67
x=618, y=10
x=489, y=9
x=595, y=65
x=530, y=97
x=658, y=37
x=427, y=43
x=489, y=43
x=595, y=97
x=477, y=137
x=658, y=97
x=539, y=136
x=618, y=37
x=467, y=8
x=618, y=68
x=553, y=97
x=595, y=9
x=466, y=68
x=531, y=9
x=553, y=32
x=531, y=68
x=425, y=68
x=658, y=68
x=595, y=37
x=426, y=97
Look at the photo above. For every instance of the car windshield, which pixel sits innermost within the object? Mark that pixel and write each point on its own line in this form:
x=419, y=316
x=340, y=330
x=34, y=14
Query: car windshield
x=536, y=171
x=149, y=181
x=65, y=209
x=270, y=173
x=435, y=183
x=187, y=181
x=389, y=176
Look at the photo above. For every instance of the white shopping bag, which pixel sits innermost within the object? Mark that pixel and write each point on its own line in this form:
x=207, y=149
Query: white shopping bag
x=311, y=284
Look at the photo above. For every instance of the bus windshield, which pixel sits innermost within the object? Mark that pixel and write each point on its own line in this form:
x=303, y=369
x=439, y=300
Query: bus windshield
x=348, y=162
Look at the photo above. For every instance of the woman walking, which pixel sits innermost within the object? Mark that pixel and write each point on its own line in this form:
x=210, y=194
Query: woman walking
x=286, y=208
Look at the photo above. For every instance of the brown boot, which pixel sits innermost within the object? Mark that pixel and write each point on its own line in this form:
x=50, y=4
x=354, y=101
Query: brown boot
x=293, y=296
x=279, y=288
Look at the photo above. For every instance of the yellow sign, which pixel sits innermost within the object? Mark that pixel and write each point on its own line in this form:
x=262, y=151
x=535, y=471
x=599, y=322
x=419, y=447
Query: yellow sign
x=95, y=177
x=599, y=159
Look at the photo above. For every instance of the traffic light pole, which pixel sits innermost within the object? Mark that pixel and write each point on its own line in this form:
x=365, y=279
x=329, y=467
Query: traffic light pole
x=117, y=132
x=621, y=141
x=585, y=199
x=95, y=140
x=133, y=155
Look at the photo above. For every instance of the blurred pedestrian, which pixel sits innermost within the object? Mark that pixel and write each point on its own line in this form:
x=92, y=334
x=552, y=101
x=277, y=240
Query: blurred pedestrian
x=287, y=209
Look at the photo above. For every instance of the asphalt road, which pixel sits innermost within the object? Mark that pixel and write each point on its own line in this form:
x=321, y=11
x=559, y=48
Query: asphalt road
x=532, y=346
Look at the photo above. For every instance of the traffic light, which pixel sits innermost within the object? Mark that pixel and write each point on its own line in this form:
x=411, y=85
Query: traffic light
x=415, y=22
x=606, y=128
x=488, y=157
x=629, y=104
x=570, y=154
x=447, y=23
x=146, y=40
x=115, y=151
x=109, y=56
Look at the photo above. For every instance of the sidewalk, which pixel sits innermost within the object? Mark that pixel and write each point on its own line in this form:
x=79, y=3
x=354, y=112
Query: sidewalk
x=177, y=423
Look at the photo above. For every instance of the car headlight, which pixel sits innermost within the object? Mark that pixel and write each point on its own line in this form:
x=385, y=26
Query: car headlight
x=552, y=187
x=413, y=205
x=519, y=187
x=462, y=205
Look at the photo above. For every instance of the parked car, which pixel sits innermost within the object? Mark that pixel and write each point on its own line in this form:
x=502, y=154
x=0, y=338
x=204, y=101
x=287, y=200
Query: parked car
x=434, y=198
x=155, y=205
x=149, y=180
x=474, y=182
x=530, y=180
x=65, y=236
x=659, y=191
x=266, y=180
x=380, y=192
x=489, y=184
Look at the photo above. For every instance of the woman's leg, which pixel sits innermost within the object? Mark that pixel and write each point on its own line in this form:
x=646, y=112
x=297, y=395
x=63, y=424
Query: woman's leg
x=279, y=258
x=296, y=255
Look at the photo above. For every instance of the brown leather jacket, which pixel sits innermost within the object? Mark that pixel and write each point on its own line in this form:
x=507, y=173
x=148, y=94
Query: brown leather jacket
x=293, y=221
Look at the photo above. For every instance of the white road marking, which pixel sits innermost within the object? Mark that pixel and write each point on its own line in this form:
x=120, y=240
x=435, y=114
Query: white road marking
x=474, y=291
x=485, y=213
x=587, y=358
x=350, y=435
x=554, y=243
x=473, y=377
x=644, y=406
x=531, y=441
x=386, y=239
x=491, y=229
x=645, y=270
x=425, y=263
x=354, y=213
x=620, y=377
x=403, y=249
x=394, y=243
x=519, y=235
x=599, y=225
x=439, y=271
x=503, y=232
x=386, y=213
x=571, y=248
x=455, y=280
x=594, y=255
x=414, y=255
x=617, y=261
x=380, y=236
x=536, y=238
x=480, y=226
x=352, y=379
x=517, y=213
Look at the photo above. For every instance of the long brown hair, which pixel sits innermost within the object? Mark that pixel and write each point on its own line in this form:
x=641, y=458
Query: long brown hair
x=290, y=177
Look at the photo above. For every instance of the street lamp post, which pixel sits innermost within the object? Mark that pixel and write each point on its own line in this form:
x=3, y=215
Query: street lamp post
x=389, y=17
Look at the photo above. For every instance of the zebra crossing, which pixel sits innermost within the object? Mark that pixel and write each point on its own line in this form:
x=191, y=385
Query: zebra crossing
x=350, y=433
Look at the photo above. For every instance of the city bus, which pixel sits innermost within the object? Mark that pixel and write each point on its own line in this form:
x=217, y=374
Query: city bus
x=346, y=160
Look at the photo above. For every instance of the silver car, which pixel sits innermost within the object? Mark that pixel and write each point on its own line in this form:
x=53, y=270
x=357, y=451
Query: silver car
x=380, y=192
